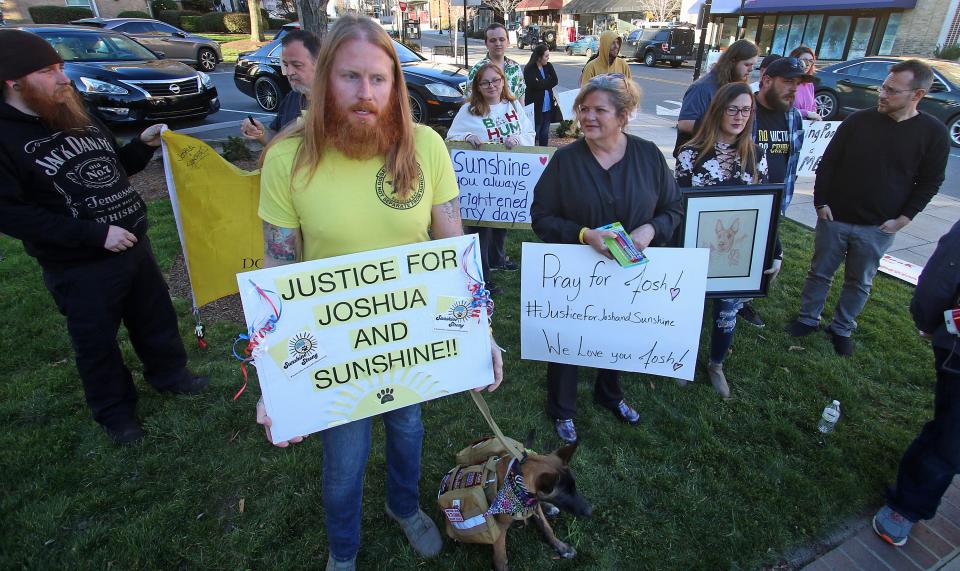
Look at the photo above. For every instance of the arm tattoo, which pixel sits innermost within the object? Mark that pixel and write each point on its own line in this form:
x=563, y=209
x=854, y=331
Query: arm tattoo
x=280, y=243
x=451, y=209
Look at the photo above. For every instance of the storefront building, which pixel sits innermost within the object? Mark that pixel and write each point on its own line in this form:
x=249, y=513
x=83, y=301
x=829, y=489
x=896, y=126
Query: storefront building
x=597, y=16
x=838, y=30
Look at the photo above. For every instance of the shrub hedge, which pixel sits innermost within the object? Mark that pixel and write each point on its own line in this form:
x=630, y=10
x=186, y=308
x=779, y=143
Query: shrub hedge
x=57, y=14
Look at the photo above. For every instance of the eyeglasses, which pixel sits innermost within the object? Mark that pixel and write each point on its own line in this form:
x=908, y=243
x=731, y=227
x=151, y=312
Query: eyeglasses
x=891, y=91
x=491, y=83
x=733, y=111
x=807, y=60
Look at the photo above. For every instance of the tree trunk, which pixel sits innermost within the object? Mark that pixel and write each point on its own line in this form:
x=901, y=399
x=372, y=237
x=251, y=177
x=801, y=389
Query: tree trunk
x=256, y=30
x=313, y=16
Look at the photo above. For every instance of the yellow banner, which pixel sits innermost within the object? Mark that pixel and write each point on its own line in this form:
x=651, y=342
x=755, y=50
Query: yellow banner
x=215, y=205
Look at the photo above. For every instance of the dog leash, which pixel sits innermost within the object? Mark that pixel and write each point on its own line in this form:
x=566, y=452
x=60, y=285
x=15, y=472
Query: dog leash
x=507, y=443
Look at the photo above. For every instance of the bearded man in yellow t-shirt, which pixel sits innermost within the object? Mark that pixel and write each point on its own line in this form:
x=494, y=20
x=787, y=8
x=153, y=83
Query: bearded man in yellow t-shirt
x=358, y=175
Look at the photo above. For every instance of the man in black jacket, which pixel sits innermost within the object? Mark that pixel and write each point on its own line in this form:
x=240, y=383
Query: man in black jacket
x=932, y=460
x=879, y=171
x=64, y=193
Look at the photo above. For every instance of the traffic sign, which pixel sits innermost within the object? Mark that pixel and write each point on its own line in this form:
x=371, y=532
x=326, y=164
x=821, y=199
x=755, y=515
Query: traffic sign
x=403, y=6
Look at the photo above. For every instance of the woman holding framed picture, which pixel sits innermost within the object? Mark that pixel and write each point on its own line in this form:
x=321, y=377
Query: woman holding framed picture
x=722, y=153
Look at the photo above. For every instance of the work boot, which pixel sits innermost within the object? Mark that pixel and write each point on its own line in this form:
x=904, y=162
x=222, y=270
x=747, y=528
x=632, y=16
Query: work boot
x=718, y=379
x=421, y=532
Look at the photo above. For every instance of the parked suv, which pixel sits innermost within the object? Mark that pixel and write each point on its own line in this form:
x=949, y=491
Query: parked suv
x=533, y=35
x=652, y=45
x=198, y=51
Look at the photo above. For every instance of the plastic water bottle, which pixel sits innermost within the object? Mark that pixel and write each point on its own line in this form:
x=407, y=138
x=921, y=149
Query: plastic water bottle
x=829, y=418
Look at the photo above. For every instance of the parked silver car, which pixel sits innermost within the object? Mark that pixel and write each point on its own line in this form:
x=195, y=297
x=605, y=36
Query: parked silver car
x=198, y=51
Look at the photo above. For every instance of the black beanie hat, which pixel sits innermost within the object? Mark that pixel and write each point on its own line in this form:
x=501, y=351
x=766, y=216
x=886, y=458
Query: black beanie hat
x=22, y=53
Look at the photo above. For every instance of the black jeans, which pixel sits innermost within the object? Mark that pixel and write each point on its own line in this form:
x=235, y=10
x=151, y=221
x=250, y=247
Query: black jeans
x=95, y=298
x=931, y=461
x=562, y=390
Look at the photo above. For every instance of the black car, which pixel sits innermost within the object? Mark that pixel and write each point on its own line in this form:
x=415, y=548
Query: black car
x=852, y=85
x=434, y=88
x=533, y=35
x=652, y=45
x=123, y=82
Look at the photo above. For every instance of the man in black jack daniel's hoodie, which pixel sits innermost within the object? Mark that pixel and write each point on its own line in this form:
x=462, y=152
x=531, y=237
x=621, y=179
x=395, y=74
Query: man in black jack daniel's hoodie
x=64, y=193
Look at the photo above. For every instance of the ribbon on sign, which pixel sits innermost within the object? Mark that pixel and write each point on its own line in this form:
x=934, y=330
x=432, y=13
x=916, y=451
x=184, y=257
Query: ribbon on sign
x=255, y=336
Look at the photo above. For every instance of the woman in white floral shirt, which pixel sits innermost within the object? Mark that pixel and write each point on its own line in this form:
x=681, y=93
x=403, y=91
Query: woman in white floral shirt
x=723, y=153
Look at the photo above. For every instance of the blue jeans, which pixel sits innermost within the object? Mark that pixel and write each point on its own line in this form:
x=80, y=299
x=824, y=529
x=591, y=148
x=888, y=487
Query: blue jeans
x=724, y=323
x=543, y=129
x=930, y=463
x=345, y=452
x=861, y=248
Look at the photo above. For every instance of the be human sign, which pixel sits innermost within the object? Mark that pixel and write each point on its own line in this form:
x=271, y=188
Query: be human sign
x=344, y=338
x=579, y=308
x=496, y=185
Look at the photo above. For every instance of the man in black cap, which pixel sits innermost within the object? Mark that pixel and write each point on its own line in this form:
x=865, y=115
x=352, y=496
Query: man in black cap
x=879, y=171
x=64, y=193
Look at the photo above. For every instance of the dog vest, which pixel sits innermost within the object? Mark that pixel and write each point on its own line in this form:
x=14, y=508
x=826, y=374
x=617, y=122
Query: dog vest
x=470, y=496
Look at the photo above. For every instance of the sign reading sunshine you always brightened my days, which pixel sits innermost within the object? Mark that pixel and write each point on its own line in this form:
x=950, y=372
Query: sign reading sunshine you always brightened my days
x=359, y=335
x=496, y=184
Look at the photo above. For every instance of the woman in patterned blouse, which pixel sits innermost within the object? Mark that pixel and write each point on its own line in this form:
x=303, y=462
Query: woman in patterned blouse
x=723, y=153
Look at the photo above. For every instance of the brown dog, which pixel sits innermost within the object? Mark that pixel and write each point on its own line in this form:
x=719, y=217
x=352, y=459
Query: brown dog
x=549, y=479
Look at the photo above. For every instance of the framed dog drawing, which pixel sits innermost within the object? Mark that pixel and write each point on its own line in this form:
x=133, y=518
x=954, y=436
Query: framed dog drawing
x=739, y=226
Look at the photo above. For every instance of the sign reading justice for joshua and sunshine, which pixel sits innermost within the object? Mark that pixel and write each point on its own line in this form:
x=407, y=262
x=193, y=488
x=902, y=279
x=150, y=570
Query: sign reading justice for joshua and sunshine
x=496, y=184
x=344, y=338
x=579, y=308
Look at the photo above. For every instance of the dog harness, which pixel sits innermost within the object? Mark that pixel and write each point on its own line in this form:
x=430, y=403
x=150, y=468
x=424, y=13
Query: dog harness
x=511, y=498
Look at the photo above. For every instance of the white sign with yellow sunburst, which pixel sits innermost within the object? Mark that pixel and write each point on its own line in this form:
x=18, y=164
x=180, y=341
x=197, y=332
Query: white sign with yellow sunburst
x=345, y=338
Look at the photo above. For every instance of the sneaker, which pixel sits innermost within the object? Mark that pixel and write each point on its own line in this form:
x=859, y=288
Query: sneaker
x=566, y=430
x=797, y=329
x=625, y=413
x=421, y=532
x=842, y=345
x=191, y=386
x=507, y=266
x=891, y=526
x=750, y=315
x=718, y=379
x=334, y=565
x=125, y=433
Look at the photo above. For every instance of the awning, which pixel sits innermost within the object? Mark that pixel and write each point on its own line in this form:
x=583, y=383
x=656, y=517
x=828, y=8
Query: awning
x=535, y=5
x=602, y=6
x=786, y=6
x=782, y=6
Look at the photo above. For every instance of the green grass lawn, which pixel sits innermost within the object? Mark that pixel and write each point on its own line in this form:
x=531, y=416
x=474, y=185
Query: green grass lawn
x=699, y=484
x=229, y=53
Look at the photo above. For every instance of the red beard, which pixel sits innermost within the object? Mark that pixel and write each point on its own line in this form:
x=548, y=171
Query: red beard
x=62, y=110
x=364, y=140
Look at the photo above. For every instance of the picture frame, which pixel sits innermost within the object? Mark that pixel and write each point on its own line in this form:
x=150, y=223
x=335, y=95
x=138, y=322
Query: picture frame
x=739, y=225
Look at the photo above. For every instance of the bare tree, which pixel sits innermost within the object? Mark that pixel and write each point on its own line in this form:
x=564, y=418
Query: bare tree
x=313, y=16
x=660, y=10
x=502, y=7
x=256, y=30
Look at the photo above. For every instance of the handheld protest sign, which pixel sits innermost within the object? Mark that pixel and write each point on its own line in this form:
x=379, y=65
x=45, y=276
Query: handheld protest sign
x=579, y=308
x=345, y=338
x=496, y=184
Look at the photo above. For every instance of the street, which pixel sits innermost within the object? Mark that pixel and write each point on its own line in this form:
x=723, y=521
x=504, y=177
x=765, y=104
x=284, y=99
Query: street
x=662, y=89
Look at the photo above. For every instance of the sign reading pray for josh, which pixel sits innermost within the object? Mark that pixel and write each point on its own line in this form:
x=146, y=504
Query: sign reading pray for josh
x=496, y=184
x=816, y=137
x=579, y=308
x=345, y=338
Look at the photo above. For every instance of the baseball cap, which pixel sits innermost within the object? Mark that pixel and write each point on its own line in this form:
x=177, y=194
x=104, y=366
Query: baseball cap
x=788, y=67
x=767, y=60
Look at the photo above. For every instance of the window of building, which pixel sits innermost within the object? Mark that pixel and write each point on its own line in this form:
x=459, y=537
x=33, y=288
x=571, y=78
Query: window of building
x=796, y=33
x=811, y=32
x=753, y=24
x=861, y=37
x=728, y=32
x=834, y=38
x=766, y=35
x=780, y=36
x=79, y=3
x=889, y=34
